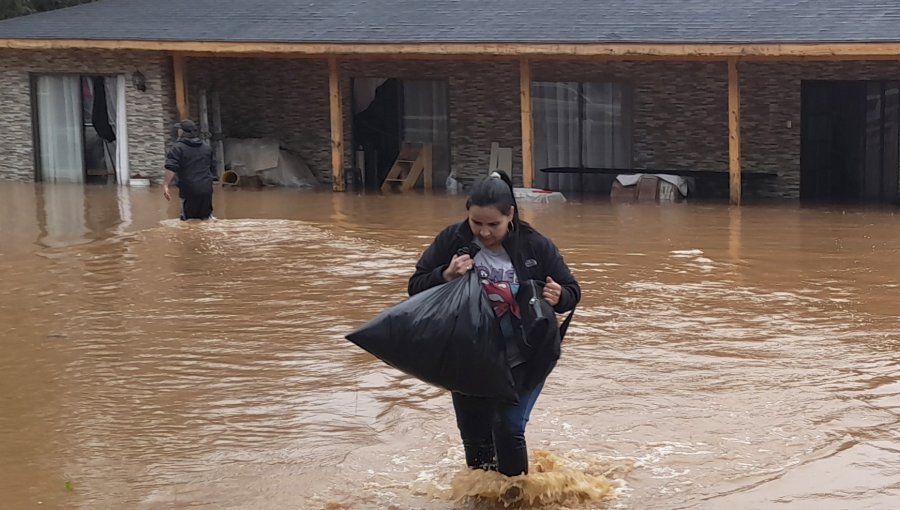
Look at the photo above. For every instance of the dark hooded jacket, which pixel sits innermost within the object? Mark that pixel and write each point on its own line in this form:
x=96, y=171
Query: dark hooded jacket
x=193, y=163
x=534, y=257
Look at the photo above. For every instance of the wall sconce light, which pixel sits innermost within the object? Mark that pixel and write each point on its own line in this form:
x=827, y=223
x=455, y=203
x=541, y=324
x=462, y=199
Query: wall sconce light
x=138, y=80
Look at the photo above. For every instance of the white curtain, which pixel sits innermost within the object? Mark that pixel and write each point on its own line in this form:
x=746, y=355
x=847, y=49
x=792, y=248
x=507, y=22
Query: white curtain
x=60, y=128
x=557, y=134
x=117, y=115
x=425, y=120
x=606, y=131
x=579, y=125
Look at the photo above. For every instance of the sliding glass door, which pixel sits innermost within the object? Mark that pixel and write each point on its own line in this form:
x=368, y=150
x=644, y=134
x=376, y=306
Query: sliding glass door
x=59, y=128
x=81, y=129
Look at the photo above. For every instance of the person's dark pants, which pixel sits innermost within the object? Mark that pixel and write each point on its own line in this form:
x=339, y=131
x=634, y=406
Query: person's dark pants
x=493, y=432
x=196, y=207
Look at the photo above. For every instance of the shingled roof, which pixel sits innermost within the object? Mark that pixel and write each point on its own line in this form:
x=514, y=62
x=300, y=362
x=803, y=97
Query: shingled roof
x=469, y=21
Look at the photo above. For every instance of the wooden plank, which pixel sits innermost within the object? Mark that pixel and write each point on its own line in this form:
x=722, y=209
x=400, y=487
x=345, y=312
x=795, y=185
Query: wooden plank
x=414, y=172
x=527, y=123
x=393, y=175
x=456, y=57
x=504, y=160
x=492, y=163
x=734, y=133
x=428, y=159
x=822, y=51
x=218, y=136
x=337, y=126
x=181, y=94
x=542, y=57
x=204, y=113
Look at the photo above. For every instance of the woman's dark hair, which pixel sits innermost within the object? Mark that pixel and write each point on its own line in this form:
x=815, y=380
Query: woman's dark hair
x=496, y=191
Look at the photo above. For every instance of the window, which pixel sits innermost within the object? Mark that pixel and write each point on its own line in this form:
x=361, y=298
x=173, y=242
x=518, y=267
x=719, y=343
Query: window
x=580, y=125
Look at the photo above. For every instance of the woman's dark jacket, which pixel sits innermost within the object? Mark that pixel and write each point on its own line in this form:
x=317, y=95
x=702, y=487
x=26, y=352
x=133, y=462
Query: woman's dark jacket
x=533, y=256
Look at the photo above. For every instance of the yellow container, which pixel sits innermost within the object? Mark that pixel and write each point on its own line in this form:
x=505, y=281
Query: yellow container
x=230, y=178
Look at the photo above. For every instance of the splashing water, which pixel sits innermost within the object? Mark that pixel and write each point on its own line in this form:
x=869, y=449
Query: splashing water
x=550, y=482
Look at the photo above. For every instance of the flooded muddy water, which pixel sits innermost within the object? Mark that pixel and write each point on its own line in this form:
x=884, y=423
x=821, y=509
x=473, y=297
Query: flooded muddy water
x=721, y=358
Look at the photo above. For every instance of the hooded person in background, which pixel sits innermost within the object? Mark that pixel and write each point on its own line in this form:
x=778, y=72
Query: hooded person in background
x=192, y=161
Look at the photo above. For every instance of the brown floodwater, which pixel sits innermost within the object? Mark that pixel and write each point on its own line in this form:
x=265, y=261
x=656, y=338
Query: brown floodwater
x=722, y=358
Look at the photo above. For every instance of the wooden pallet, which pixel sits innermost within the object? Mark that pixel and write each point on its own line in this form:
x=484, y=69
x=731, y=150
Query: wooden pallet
x=413, y=161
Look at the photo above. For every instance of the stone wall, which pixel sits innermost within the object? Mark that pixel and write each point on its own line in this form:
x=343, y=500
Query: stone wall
x=770, y=113
x=288, y=100
x=149, y=112
x=679, y=110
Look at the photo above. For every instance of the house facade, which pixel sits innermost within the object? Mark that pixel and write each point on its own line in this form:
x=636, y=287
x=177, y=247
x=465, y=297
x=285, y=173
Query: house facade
x=806, y=119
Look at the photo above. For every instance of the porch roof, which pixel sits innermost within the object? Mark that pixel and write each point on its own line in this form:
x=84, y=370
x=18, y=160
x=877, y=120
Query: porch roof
x=524, y=27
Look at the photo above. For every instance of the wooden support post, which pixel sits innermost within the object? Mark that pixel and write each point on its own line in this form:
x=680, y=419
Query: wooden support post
x=337, y=126
x=204, y=114
x=734, y=133
x=181, y=94
x=527, y=123
x=218, y=140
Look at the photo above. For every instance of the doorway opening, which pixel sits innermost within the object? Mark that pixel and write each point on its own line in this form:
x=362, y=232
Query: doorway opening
x=388, y=112
x=80, y=129
x=850, y=136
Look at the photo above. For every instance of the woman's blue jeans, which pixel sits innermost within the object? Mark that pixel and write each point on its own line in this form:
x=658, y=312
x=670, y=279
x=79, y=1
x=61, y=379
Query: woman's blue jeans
x=493, y=432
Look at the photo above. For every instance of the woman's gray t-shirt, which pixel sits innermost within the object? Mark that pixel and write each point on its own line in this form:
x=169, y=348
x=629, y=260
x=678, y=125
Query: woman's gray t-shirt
x=498, y=277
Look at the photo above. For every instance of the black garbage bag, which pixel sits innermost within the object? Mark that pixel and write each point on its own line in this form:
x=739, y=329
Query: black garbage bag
x=447, y=336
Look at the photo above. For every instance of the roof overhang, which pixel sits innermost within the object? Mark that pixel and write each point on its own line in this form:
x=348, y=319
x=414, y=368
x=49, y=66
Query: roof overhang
x=755, y=51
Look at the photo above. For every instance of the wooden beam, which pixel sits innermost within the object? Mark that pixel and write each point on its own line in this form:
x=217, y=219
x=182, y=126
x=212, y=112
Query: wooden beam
x=204, y=113
x=337, y=126
x=820, y=51
x=468, y=57
x=527, y=123
x=734, y=133
x=181, y=95
x=217, y=135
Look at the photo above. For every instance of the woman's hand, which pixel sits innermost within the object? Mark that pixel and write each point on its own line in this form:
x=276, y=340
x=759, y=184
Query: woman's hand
x=459, y=266
x=552, y=291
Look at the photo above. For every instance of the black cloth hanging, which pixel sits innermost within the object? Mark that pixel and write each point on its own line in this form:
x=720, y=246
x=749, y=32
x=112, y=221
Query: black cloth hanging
x=100, y=113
